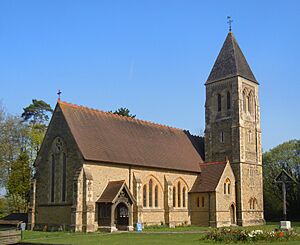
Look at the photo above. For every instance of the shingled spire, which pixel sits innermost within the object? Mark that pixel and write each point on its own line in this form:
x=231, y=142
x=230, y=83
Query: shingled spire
x=230, y=62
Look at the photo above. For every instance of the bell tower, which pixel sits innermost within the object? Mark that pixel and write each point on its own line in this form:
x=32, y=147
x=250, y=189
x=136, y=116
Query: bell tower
x=232, y=128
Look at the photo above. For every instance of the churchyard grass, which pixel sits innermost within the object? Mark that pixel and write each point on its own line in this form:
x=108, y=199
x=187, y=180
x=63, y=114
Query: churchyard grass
x=150, y=235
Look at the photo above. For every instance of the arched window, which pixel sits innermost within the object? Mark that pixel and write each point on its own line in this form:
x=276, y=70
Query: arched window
x=174, y=196
x=64, y=177
x=227, y=186
x=145, y=196
x=249, y=102
x=203, y=201
x=251, y=202
x=183, y=197
x=198, y=202
x=228, y=100
x=150, y=192
x=254, y=203
x=249, y=136
x=179, y=194
x=156, y=196
x=58, y=170
x=52, y=177
x=222, y=138
x=244, y=102
x=219, y=102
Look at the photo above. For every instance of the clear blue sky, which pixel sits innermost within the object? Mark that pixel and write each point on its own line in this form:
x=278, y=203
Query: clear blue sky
x=150, y=56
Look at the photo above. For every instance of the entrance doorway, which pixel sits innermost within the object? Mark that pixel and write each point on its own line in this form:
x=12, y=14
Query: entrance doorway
x=122, y=216
x=232, y=214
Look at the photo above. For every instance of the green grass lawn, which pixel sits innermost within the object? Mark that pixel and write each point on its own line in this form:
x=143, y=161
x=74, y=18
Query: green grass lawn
x=151, y=235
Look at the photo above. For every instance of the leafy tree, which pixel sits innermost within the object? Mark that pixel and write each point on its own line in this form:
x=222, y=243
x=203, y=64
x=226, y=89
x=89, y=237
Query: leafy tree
x=18, y=185
x=37, y=116
x=123, y=112
x=3, y=207
x=284, y=156
x=37, y=112
x=12, y=139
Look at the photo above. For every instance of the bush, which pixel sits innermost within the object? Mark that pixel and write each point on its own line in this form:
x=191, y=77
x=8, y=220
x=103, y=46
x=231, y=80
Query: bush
x=241, y=235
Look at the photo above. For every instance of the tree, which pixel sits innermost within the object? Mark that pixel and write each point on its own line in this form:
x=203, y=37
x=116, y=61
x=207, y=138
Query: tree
x=3, y=207
x=18, y=185
x=37, y=112
x=284, y=156
x=123, y=112
x=12, y=139
x=36, y=115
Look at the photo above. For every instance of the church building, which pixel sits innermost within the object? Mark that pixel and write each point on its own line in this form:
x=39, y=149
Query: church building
x=100, y=171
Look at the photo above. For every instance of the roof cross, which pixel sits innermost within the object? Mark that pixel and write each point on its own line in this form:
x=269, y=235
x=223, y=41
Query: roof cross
x=58, y=93
x=229, y=21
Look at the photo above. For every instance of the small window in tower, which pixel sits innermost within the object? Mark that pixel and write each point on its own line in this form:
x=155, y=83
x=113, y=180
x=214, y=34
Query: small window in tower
x=244, y=102
x=249, y=136
x=249, y=98
x=228, y=100
x=219, y=102
x=225, y=188
x=222, y=138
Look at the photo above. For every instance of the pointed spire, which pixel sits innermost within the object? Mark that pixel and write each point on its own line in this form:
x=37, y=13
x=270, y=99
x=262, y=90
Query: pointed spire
x=230, y=62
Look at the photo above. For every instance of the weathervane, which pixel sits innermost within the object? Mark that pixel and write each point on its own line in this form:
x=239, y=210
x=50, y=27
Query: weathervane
x=229, y=21
x=59, y=93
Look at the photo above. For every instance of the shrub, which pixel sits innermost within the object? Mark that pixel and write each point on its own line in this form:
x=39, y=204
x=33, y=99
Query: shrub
x=241, y=235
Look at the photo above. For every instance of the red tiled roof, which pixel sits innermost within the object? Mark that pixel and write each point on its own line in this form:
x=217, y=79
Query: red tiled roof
x=103, y=136
x=209, y=177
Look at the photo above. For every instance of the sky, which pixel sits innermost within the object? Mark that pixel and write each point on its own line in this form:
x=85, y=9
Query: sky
x=152, y=57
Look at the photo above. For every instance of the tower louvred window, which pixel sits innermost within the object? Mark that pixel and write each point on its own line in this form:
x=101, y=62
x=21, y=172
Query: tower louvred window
x=228, y=100
x=219, y=102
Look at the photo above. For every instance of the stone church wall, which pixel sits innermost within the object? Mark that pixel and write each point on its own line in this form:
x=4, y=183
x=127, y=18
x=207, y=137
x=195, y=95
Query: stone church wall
x=165, y=213
x=224, y=201
x=55, y=215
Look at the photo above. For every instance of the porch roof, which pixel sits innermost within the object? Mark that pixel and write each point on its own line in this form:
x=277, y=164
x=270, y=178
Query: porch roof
x=113, y=190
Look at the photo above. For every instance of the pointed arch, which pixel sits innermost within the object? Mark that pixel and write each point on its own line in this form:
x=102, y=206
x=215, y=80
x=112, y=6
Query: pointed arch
x=251, y=203
x=254, y=204
x=180, y=189
x=227, y=186
x=155, y=179
x=183, y=181
x=152, y=192
x=250, y=102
